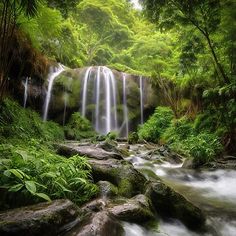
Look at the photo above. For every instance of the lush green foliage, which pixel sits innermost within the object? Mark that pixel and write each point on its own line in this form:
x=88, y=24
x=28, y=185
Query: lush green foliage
x=156, y=124
x=19, y=123
x=78, y=127
x=133, y=138
x=112, y=135
x=30, y=172
x=190, y=138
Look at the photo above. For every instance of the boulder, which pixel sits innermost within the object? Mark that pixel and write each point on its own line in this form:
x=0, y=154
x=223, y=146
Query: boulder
x=113, y=146
x=171, y=204
x=40, y=219
x=137, y=209
x=188, y=164
x=98, y=224
x=95, y=205
x=122, y=174
x=90, y=151
x=107, y=189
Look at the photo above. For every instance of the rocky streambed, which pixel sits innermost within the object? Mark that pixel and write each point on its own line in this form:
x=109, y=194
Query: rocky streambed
x=141, y=193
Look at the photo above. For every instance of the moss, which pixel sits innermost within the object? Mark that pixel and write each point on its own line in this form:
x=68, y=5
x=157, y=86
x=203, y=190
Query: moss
x=125, y=188
x=78, y=128
x=133, y=138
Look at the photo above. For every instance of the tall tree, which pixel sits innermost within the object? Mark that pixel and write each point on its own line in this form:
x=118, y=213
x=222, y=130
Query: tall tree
x=203, y=15
x=9, y=12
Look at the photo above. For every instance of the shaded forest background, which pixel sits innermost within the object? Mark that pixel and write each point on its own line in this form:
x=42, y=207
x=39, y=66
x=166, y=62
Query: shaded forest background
x=186, y=47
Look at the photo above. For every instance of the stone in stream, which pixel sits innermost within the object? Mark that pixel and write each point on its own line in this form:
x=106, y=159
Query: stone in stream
x=112, y=146
x=107, y=189
x=40, y=219
x=90, y=151
x=98, y=224
x=122, y=174
x=137, y=209
x=169, y=203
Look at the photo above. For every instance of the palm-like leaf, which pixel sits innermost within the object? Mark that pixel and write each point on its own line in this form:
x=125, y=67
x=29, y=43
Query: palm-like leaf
x=29, y=7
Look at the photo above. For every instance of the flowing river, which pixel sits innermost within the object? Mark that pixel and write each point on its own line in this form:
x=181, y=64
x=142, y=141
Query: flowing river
x=212, y=191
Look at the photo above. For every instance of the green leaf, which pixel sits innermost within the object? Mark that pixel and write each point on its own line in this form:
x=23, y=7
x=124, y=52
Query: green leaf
x=30, y=185
x=44, y=196
x=23, y=154
x=49, y=174
x=15, y=188
x=18, y=173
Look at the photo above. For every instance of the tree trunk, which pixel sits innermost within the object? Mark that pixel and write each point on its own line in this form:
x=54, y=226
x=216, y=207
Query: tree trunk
x=218, y=65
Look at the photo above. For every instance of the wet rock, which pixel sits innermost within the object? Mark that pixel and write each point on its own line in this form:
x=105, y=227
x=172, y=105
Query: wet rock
x=165, y=154
x=188, y=164
x=169, y=203
x=122, y=174
x=40, y=219
x=107, y=189
x=112, y=146
x=108, y=145
x=98, y=224
x=95, y=205
x=137, y=209
x=90, y=151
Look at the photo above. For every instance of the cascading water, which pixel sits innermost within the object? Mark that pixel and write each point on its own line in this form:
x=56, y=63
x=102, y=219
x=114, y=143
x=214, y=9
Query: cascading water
x=104, y=85
x=125, y=107
x=85, y=90
x=141, y=98
x=26, y=90
x=98, y=78
x=210, y=190
x=51, y=78
x=103, y=98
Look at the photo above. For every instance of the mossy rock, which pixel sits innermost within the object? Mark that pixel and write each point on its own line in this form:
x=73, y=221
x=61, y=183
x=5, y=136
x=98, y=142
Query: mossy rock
x=107, y=189
x=137, y=209
x=122, y=174
x=40, y=219
x=171, y=204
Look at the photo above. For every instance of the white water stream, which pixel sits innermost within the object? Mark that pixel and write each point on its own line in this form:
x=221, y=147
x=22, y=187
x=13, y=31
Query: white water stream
x=52, y=76
x=212, y=191
x=25, y=83
x=125, y=106
x=141, y=98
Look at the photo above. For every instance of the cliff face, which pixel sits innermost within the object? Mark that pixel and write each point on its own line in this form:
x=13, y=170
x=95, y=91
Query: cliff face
x=110, y=99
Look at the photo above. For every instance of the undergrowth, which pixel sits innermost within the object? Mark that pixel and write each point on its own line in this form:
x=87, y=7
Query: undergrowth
x=195, y=139
x=30, y=169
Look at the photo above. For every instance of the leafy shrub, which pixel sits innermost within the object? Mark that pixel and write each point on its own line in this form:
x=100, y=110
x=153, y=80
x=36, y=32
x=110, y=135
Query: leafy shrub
x=156, y=124
x=133, y=138
x=30, y=172
x=178, y=130
x=78, y=127
x=203, y=148
x=21, y=123
x=112, y=135
x=192, y=139
x=206, y=121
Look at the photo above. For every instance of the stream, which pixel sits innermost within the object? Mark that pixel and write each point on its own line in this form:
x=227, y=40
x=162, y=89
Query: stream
x=212, y=191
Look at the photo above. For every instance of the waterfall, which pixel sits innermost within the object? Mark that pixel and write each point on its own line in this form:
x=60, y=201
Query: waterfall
x=104, y=86
x=51, y=78
x=141, y=98
x=98, y=78
x=85, y=90
x=125, y=107
x=26, y=90
x=111, y=103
